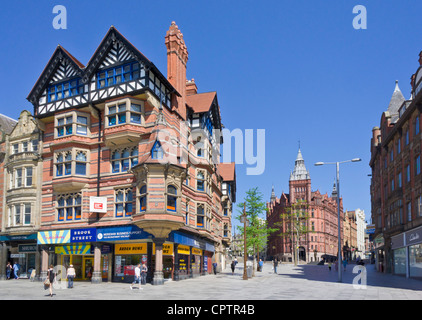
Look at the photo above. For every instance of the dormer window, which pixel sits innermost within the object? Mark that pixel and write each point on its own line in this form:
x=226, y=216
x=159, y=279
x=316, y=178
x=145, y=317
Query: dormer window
x=157, y=151
x=65, y=90
x=117, y=75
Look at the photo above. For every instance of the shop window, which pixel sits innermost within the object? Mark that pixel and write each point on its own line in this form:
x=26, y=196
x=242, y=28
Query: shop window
x=123, y=203
x=124, y=159
x=171, y=198
x=69, y=207
x=143, y=198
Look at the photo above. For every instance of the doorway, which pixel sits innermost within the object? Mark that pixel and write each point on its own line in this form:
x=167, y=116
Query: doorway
x=88, y=268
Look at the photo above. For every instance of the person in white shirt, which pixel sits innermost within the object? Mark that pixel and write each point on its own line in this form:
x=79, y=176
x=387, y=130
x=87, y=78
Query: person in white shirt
x=137, y=277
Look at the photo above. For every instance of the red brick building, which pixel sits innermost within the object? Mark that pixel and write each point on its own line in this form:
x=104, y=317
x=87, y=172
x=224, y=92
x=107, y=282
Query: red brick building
x=321, y=241
x=396, y=185
x=130, y=169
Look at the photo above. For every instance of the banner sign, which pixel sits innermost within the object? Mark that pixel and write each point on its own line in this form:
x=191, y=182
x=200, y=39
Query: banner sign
x=131, y=232
x=83, y=235
x=53, y=237
x=130, y=248
x=74, y=249
x=167, y=249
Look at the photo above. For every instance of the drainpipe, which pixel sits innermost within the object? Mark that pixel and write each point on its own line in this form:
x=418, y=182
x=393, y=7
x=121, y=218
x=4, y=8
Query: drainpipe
x=99, y=152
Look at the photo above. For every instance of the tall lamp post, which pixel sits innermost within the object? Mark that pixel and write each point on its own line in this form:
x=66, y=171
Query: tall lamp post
x=245, y=222
x=338, y=207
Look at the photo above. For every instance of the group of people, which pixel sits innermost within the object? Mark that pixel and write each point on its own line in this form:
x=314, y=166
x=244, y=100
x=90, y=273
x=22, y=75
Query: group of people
x=140, y=275
x=336, y=264
x=51, y=277
x=12, y=270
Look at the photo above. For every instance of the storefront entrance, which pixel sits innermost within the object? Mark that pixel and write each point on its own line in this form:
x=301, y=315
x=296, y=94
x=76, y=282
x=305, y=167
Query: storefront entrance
x=84, y=265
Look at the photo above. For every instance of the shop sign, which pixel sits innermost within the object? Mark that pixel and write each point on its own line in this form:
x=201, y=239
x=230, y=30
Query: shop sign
x=74, y=249
x=181, y=249
x=17, y=255
x=167, y=249
x=131, y=232
x=53, y=237
x=83, y=235
x=25, y=248
x=130, y=248
x=98, y=204
x=414, y=236
x=197, y=251
x=22, y=237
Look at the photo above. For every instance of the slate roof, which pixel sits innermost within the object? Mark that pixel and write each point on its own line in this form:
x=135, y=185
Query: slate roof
x=7, y=124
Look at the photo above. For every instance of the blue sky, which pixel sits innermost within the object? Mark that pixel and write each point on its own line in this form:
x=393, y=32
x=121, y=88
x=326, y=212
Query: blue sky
x=297, y=69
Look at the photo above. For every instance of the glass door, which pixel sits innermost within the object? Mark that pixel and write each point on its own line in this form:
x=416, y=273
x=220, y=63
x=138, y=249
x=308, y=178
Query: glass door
x=88, y=268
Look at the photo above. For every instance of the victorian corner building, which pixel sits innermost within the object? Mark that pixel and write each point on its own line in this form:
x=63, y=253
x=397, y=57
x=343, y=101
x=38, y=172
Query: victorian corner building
x=117, y=165
x=396, y=185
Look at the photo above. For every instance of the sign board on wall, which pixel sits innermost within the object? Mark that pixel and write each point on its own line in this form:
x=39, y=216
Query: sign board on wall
x=98, y=204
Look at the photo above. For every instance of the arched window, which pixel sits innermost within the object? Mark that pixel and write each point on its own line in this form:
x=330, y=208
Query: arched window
x=123, y=203
x=157, y=151
x=143, y=198
x=81, y=163
x=171, y=198
x=124, y=159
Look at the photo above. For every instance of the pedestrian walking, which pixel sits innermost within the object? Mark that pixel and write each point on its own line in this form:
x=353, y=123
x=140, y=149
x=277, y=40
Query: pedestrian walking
x=233, y=266
x=261, y=264
x=50, y=279
x=344, y=264
x=144, y=272
x=8, y=270
x=16, y=270
x=275, y=265
x=214, y=267
x=329, y=265
x=137, y=277
x=71, y=274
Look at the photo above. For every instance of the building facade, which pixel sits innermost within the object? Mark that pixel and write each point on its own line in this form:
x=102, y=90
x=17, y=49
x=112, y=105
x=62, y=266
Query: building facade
x=321, y=240
x=124, y=165
x=396, y=185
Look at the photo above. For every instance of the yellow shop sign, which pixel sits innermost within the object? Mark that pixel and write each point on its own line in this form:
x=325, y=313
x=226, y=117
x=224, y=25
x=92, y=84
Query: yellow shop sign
x=183, y=249
x=197, y=251
x=167, y=249
x=131, y=248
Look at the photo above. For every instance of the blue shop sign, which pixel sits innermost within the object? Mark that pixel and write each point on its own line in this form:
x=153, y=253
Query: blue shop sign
x=131, y=232
x=83, y=235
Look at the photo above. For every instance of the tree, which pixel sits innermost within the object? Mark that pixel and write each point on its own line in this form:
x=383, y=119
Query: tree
x=257, y=232
x=294, y=225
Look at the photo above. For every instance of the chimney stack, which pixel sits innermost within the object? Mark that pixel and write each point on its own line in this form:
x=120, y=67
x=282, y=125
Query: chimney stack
x=177, y=58
x=191, y=87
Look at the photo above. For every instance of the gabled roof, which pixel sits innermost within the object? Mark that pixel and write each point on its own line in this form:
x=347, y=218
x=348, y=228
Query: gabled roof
x=228, y=171
x=86, y=72
x=201, y=102
x=7, y=124
x=53, y=64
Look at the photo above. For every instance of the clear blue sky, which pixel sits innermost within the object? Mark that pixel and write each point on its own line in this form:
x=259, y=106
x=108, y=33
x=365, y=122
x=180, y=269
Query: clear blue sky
x=297, y=69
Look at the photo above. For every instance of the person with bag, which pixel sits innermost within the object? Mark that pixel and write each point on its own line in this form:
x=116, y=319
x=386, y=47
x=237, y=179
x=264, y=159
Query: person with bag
x=48, y=283
x=70, y=276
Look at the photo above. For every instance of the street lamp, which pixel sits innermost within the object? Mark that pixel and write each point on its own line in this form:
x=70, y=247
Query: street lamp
x=245, y=222
x=338, y=207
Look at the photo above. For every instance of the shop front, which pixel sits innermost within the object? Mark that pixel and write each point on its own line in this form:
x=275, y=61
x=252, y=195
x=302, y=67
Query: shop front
x=20, y=250
x=407, y=253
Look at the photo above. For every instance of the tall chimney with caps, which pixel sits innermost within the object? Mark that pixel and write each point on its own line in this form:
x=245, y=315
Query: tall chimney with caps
x=177, y=58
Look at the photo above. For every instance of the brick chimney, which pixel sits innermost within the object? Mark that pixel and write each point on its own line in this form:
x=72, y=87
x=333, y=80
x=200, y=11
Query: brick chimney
x=177, y=57
x=191, y=87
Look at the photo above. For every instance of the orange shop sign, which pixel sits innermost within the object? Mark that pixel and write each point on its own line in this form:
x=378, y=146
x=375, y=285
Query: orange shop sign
x=131, y=248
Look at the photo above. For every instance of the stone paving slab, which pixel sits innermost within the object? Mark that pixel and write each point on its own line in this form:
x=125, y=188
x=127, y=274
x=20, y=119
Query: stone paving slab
x=304, y=282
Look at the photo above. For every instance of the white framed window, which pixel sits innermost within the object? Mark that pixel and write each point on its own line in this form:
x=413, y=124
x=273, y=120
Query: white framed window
x=72, y=123
x=71, y=162
x=125, y=111
x=20, y=214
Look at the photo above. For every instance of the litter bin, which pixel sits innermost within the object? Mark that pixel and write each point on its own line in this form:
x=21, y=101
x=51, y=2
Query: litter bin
x=249, y=269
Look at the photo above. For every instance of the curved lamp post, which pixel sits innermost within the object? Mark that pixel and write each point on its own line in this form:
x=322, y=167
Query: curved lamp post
x=338, y=207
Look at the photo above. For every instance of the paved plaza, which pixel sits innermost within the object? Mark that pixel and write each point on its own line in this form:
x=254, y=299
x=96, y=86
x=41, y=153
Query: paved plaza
x=304, y=282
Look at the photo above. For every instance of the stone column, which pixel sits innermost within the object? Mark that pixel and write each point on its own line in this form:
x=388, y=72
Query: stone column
x=96, y=274
x=37, y=264
x=176, y=262
x=3, y=262
x=158, y=273
x=44, y=263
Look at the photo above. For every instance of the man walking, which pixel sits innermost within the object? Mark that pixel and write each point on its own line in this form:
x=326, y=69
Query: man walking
x=275, y=265
x=144, y=271
x=137, y=277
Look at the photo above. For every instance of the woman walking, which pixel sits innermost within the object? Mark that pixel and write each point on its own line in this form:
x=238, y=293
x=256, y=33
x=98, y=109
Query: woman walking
x=50, y=278
x=8, y=270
